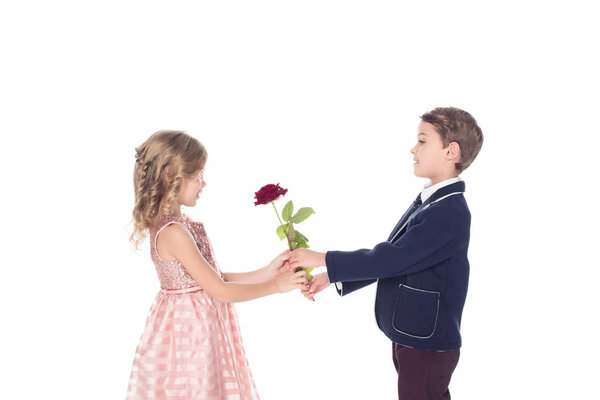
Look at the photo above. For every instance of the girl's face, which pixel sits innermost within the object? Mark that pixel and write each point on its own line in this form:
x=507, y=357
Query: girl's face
x=191, y=189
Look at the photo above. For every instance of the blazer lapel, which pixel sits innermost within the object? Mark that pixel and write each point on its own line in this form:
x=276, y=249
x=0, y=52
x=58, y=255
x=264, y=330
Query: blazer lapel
x=455, y=187
x=400, y=223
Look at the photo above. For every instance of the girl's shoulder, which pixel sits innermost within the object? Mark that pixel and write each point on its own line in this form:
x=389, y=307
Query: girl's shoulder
x=167, y=221
x=171, y=230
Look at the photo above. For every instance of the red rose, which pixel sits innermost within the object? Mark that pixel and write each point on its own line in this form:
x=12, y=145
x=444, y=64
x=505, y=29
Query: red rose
x=268, y=193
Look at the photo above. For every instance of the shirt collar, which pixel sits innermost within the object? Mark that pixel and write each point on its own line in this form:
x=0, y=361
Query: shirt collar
x=431, y=189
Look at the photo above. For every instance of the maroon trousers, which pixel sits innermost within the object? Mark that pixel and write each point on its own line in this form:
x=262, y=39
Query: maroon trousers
x=424, y=374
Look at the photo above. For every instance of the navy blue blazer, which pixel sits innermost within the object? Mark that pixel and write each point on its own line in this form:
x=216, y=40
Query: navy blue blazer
x=422, y=272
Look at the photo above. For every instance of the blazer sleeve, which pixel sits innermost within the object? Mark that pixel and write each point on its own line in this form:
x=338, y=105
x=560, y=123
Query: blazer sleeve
x=426, y=242
x=348, y=287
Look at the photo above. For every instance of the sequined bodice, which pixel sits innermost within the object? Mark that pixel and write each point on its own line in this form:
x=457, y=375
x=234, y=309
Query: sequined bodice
x=172, y=274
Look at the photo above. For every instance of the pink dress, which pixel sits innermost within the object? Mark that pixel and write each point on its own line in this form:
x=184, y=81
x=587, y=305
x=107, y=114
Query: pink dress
x=191, y=347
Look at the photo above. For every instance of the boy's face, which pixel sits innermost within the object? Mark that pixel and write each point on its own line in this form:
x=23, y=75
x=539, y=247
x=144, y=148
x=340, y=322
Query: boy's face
x=431, y=158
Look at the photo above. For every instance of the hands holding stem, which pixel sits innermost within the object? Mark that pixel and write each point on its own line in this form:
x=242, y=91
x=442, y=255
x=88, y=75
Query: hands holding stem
x=284, y=277
x=282, y=268
x=310, y=259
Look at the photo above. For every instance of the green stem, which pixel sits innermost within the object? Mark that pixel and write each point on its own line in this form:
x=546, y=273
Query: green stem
x=281, y=223
x=276, y=212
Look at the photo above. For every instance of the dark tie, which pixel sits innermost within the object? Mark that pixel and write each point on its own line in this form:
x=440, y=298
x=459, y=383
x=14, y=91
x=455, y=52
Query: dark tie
x=416, y=204
x=405, y=218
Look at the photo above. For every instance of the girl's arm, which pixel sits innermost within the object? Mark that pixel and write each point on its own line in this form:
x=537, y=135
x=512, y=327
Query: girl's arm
x=271, y=271
x=175, y=242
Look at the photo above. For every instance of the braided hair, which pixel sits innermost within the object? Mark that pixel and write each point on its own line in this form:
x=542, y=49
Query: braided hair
x=161, y=164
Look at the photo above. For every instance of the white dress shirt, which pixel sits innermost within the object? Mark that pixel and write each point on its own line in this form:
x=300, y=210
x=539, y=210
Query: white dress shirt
x=430, y=189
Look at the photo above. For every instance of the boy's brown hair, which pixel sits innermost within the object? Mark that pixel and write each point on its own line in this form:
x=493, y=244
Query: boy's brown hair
x=456, y=125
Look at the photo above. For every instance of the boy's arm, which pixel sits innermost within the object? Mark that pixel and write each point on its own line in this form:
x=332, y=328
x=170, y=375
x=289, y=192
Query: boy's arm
x=344, y=288
x=310, y=258
x=321, y=281
x=426, y=243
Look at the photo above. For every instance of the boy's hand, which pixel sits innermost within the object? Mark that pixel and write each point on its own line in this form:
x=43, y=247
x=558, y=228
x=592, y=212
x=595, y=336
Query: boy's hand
x=306, y=258
x=318, y=283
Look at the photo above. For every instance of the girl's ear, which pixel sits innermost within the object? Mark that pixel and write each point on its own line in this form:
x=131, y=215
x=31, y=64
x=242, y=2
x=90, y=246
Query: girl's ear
x=167, y=174
x=453, y=151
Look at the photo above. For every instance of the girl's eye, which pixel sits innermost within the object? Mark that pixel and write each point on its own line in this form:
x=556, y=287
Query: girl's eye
x=421, y=141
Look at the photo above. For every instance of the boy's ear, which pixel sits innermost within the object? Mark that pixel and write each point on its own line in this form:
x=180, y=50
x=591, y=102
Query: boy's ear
x=453, y=151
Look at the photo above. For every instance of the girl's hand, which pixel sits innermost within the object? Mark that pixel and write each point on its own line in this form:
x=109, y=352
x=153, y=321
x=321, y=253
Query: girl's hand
x=289, y=280
x=278, y=265
x=318, y=283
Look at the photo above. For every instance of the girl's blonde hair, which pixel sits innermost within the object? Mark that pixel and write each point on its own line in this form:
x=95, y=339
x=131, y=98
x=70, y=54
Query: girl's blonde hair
x=166, y=154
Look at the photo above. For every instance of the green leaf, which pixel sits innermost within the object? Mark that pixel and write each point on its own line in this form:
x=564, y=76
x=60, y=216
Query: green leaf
x=301, y=240
x=300, y=235
x=302, y=214
x=287, y=211
x=281, y=231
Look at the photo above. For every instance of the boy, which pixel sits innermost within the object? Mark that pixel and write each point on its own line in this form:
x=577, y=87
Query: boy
x=422, y=270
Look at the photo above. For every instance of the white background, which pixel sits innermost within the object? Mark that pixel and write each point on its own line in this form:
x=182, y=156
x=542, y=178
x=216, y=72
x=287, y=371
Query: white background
x=324, y=98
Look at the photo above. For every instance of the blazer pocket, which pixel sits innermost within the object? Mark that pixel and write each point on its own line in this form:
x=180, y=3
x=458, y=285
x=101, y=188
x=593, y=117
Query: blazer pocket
x=416, y=312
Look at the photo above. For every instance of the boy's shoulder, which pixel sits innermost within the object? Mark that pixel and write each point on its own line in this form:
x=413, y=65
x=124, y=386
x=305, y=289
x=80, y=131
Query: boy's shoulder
x=448, y=195
x=445, y=209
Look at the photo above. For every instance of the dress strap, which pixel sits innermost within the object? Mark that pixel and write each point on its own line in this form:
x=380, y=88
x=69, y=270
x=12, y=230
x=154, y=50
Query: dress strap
x=172, y=220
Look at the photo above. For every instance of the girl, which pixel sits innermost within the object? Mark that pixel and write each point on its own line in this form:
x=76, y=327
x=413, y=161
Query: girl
x=191, y=347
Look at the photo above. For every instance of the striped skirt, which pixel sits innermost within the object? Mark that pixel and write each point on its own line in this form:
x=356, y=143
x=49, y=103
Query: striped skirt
x=191, y=348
